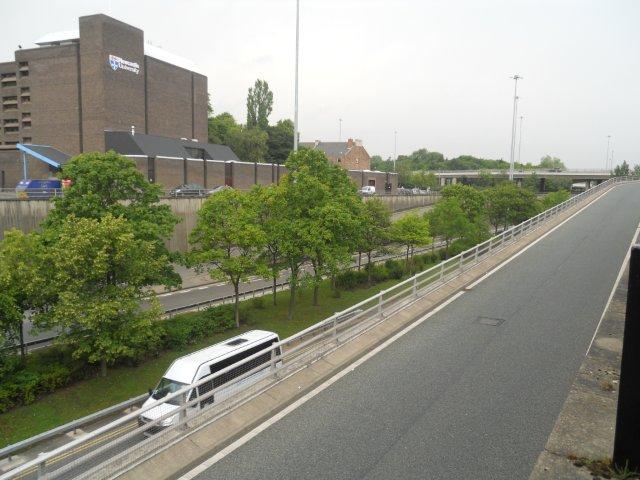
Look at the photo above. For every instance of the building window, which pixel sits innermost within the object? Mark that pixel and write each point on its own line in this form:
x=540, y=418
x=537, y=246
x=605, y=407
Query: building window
x=10, y=121
x=26, y=114
x=23, y=64
x=26, y=140
x=24, y=89
x=11, y=129
x=25, y=98
x=26, y=124
x=10, y=143
x=9, y=84
x=24, y=73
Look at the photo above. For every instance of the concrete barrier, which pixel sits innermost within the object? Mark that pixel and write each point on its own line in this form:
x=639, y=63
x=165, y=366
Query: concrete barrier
x=26, y=215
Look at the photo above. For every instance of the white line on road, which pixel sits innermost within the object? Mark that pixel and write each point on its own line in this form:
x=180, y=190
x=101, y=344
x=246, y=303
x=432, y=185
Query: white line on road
x=263, y=426
x=615, y=287
x=349, y=368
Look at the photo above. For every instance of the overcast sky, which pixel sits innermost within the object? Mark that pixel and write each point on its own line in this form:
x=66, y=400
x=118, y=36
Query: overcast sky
x=437, y=72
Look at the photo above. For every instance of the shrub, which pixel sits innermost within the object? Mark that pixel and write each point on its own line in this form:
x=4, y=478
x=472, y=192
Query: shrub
x=395, y=269
x=257, y=303
x=350, y=279
x=379, y=274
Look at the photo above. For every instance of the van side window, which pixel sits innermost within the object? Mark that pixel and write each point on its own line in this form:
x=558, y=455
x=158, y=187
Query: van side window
x=239, y=370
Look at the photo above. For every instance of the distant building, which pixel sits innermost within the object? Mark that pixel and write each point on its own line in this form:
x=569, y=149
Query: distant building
x=75, y=85
x=350, y=155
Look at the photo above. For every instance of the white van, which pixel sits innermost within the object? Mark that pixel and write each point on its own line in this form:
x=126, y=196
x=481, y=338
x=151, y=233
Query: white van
x=198, y=365
x=368, y=190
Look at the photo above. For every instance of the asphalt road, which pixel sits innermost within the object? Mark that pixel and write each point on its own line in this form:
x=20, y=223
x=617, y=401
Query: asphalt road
x=456, y=399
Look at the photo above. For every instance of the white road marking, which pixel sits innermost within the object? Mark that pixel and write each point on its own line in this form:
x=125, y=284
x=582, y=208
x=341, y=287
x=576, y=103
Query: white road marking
x=615, y=287
x=204, y=287
x=349, y=368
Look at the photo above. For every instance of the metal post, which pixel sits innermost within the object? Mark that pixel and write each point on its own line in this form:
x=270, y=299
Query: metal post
x=183, y=411
x=273, y=363
x=513, y=125
x=295, y=115
x=626, y=448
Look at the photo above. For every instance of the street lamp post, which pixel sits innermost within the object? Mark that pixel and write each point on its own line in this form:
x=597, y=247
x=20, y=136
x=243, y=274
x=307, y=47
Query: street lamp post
x=513, y=123
x=520, y=141
x=295, y=115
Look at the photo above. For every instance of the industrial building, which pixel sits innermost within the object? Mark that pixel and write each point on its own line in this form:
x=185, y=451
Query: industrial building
x=73, y=86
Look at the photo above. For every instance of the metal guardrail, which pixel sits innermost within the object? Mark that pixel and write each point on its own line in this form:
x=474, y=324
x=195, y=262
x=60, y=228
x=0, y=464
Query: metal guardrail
x=113, y=448
x=30, y=194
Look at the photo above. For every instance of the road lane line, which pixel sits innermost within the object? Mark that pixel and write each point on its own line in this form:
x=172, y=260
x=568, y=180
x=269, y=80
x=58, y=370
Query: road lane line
x=615, y=287
x=516, y=255
x=349, y=368
x=290, y=408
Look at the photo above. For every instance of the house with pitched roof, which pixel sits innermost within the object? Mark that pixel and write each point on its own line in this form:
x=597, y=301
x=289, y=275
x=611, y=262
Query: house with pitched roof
x=350, y=155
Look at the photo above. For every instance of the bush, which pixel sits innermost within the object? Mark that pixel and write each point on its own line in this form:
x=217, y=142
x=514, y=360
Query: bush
x=379, y=274
x=350, y=279
x=395, y=269
x=257, y=303
x=188, y=329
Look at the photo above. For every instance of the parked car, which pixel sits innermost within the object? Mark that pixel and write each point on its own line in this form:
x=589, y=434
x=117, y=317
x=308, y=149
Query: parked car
x=196, y=366
x=43, y=188
x=368, y=190
x=189, y=190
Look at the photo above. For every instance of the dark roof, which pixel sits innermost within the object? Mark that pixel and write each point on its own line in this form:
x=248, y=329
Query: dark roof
x=45, y=153
x=331, y=149
x=156, y=146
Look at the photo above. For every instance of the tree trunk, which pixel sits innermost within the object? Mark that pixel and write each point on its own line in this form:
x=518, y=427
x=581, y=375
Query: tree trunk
x=274, y=289
x=359, y=260
x=369, y=268
x=292, y=297
x=446, y=249
x=236, y=305
x=407, y=259
x=103, y=367
x=23, y=349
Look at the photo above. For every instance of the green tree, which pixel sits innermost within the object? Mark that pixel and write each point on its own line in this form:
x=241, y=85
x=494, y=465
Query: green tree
x=554, y=198
x=449, y=221
x=411, y=231
x=377, y=163
x=280, y=141
x=100, y=271
x=470, y=199
x=553, y=163
x=554, y=184
x=250, y=144
x=270, y=204
x=507, y=204
x=108, y=183
x=259, y=105
x=220, y=128
x=22, y=282
x=636, y=171
x=228, y=240
x=374, y=230
x=621, y=170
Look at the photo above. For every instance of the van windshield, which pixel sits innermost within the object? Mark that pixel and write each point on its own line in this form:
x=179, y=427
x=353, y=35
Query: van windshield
x=165, y=387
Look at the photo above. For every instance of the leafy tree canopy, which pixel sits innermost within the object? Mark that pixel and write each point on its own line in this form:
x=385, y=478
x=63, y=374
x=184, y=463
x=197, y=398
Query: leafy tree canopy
x=553, y=163
x=259, y=105
x=220, y=128
x=280, y=141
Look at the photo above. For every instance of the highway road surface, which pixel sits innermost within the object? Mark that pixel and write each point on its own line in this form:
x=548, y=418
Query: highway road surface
x=456, y=398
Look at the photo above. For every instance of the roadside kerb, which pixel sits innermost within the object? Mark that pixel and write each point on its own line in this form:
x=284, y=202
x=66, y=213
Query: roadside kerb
x=204, y=442
x=110, y=456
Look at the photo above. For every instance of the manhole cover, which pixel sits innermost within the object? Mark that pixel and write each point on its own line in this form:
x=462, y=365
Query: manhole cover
x=492, y=322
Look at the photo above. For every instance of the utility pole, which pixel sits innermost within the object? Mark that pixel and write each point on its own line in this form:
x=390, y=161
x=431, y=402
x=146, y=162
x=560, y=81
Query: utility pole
x=606, y=163
x=340, y=131
x=520, y=141
x=513, y=123
x=295, y=115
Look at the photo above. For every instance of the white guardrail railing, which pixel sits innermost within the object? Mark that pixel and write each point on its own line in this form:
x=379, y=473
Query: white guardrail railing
x=113, y=448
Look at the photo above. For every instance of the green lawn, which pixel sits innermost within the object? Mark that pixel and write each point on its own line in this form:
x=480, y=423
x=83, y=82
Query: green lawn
x=122, y=383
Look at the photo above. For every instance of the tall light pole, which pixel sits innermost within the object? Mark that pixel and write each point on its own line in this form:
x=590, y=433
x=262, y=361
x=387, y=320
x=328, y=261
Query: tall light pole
x=395, y=146
x=340, y=131
x=606, y=163
x=513, y=123
x=520, y=141
x=295, y=115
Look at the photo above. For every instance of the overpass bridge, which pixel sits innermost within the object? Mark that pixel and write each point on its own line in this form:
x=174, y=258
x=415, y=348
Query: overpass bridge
x=589, y=177
x=468, y=389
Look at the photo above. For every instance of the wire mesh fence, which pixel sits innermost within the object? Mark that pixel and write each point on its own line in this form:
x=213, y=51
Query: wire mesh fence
x=113, y=448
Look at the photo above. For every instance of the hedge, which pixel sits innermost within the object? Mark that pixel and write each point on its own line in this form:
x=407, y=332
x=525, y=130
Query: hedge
x=49, y=369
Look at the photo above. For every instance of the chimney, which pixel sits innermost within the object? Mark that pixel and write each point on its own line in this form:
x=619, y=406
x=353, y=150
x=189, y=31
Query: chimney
x=350, y=143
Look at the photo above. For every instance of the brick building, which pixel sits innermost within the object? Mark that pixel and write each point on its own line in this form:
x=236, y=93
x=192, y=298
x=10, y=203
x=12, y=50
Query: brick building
x=76, y=85
x=350, y=155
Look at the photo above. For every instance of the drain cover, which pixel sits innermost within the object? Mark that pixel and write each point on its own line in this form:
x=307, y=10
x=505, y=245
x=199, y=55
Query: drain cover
x=492, y=322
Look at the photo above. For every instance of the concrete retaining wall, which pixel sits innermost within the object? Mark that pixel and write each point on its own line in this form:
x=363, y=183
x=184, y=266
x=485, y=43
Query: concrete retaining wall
x=26, y=215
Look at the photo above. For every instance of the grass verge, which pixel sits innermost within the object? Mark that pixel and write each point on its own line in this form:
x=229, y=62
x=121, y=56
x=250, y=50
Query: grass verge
x=122, y=383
